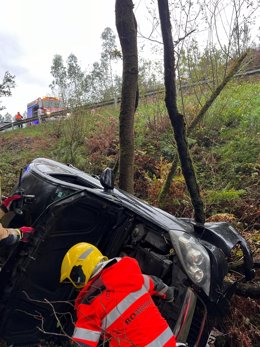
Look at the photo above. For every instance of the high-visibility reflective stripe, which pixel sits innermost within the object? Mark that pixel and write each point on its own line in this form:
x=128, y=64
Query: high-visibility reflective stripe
x=112, y=316
x=86, y=334
x=146, y=282
x=86, y=253
x=161, y=339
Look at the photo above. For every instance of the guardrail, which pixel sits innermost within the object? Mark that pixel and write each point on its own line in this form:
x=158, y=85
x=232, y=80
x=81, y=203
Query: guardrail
x=110, y=102
x=17, y=124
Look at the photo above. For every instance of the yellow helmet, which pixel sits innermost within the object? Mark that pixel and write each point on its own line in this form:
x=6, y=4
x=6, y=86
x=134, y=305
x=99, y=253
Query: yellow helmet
x=79, y=263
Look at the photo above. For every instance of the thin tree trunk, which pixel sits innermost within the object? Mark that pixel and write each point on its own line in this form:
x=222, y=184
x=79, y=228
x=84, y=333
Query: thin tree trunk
x=166, y=186
x=216, y=93
x=177, y=120
x=167, y=183
x=127, y=31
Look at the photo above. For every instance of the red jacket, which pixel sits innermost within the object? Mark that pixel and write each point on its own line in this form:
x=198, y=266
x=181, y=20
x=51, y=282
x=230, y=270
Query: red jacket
x=116, y=305
x=18, y=116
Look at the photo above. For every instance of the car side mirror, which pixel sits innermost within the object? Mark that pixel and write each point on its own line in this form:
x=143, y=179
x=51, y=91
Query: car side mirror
x=107, y=179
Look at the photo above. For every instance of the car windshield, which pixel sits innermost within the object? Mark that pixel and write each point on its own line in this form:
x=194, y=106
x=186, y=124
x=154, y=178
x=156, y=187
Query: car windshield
x=51, y=169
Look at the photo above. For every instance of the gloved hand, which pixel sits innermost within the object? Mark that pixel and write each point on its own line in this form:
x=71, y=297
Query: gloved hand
x=161, y=289
x=6, y=204
x=171, y=294
x=26, y=233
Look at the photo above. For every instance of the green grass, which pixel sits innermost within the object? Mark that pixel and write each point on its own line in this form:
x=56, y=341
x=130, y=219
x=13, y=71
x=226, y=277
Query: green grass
x=225, y=146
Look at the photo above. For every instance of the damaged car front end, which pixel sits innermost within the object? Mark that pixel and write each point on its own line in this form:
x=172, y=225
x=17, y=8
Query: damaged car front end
x=70, y=206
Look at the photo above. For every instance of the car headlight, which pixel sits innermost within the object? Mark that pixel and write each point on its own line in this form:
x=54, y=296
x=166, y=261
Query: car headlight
x=193, y=257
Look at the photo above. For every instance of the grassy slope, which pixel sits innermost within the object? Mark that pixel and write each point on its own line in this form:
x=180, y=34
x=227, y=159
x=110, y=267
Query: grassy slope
x=225, y=149
x=18, y=148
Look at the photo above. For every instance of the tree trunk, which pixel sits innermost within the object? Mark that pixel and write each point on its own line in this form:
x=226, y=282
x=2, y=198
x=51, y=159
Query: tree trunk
x=197, y=120
x=167, y=183
x=177, y=120
x=216, y=93
x=127, y=31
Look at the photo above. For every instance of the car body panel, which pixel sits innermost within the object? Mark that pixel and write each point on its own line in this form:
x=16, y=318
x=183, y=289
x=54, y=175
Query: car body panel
x=70, y=206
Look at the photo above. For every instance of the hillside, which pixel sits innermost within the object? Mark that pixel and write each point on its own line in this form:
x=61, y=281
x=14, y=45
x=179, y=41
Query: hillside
x=225, y=150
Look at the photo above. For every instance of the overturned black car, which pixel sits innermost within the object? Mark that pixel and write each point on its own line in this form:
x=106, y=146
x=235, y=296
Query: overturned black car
x=67, y=206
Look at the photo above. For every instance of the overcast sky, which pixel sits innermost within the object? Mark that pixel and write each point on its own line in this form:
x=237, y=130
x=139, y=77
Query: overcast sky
x=33, y=31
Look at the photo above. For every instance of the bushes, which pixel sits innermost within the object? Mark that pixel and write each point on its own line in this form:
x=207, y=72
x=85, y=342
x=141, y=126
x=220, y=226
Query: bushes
x=223, y=200
x=101, y=145
x=241, y=327
x=225, y=151
x=71, y=138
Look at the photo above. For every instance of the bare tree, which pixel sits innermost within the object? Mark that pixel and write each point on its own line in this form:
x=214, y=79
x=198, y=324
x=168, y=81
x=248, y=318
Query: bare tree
x=207, y=74
x=127, y=31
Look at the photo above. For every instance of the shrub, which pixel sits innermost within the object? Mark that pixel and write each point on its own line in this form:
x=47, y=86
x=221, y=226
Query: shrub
x=101, y=146
x=222, y=200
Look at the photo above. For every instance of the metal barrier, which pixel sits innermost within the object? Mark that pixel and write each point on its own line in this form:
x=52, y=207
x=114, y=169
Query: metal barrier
x=113, y=102
x=17, y=124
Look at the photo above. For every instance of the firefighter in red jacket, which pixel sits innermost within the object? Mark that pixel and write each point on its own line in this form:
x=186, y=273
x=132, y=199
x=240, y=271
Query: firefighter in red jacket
x=115, y=301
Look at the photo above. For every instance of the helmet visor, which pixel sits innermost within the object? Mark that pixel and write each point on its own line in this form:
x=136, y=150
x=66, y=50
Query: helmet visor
x=77, y=277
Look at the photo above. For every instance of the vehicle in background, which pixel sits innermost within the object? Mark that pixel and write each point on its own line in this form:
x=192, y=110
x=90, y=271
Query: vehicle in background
x=48, y=104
